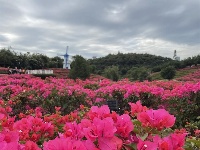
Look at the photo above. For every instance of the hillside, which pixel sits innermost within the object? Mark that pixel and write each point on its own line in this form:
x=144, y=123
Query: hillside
x=126, y=61
x=185, y=74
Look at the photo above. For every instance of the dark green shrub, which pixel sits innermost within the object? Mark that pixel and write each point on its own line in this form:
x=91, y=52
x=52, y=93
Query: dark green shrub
x=168, y=72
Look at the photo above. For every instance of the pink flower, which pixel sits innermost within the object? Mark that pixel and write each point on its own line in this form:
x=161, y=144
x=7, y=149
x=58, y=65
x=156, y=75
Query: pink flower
x=113, y=143
x=73, y=130
x=124, y=125
x=1, y=116
x=9, y=140
x=175, y=140
x=30, y=145
x=100, y=128
x=90, y=145
x=99, y=112
x=105, y=127
x=147, y=145
x=58, y=144
x=64, y=144
x=156, y=119
x=137, y=108
x=9, y=136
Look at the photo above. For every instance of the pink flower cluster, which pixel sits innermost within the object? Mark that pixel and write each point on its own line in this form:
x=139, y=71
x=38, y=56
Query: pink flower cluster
x=194, y=77
x=97, y=130
x=35, y=88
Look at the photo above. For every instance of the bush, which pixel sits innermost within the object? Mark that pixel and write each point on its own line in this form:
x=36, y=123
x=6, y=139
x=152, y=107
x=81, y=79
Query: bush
x=140, y=74
x=168, y=72
x=79, y=68
x=112, y=73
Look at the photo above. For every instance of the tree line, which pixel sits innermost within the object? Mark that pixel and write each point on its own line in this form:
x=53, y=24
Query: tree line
x=12, y=59
x=113, y=66
x=137, y=66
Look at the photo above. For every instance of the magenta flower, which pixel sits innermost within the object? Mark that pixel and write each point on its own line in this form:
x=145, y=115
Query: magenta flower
x=30, y=145
x=175, y=140
x=147, y=145
x=137, y=108
x=64, y=144
x=99, y=112
x=113, y=143
x=124, y=125
x=100, y=128
x=73, y=130
x=9, y=140
x=158, y=119
x=58, y=144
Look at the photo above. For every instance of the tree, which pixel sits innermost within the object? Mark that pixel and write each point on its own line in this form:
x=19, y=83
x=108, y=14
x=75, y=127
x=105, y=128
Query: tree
x=112, y=72
x=140, y=74
x=168, y=72
x=56, y=62
x=79, y=68
x=7, y=58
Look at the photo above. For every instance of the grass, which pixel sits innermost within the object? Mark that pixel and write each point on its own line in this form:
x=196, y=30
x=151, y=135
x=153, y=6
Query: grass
x=179, y=73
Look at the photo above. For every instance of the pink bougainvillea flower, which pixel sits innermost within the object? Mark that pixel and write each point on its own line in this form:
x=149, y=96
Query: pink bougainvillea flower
x=137, y=108
x=158, y=119
x=73, y=130
x=99, y=112
x=147, y=145
x=100, y=128
x=58, y=144
x=9, y=140
x=124, y=125
x=9, y=136
x=30, y=145
x=105, y=127
x=57, y=108
x=113, y=143
x=175, y=140
x=172, y=142
x=90, y=145
x=64, y=144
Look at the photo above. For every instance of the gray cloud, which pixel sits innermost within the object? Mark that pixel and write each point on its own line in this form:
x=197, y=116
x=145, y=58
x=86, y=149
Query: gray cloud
x=97, y=28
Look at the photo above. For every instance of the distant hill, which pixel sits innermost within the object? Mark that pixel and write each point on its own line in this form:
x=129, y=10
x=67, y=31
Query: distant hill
x=126, y=61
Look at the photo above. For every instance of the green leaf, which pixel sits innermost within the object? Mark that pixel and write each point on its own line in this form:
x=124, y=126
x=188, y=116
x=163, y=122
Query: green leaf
x=195, y=142
x=144, y=136
x=136, y=122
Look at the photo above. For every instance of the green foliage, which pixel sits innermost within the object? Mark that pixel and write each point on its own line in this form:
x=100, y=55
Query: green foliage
x=79, y=68
x=126, y=61
x=93, y=69
x=28, y=61
x=112, y=73
x=168, y=72
x=140, y=74
x=56, y=62
x=156, y=69
x=91, y=86
x=7, y=58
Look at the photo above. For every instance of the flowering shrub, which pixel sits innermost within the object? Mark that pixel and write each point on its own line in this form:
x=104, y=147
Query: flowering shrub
x=96, y=128
x=194, y=77
x=39, y=114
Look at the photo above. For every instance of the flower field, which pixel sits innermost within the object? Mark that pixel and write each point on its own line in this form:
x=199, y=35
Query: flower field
x=63, y=114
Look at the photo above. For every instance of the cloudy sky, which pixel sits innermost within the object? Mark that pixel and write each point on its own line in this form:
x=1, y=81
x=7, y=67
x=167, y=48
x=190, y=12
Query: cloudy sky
x=100, y=27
